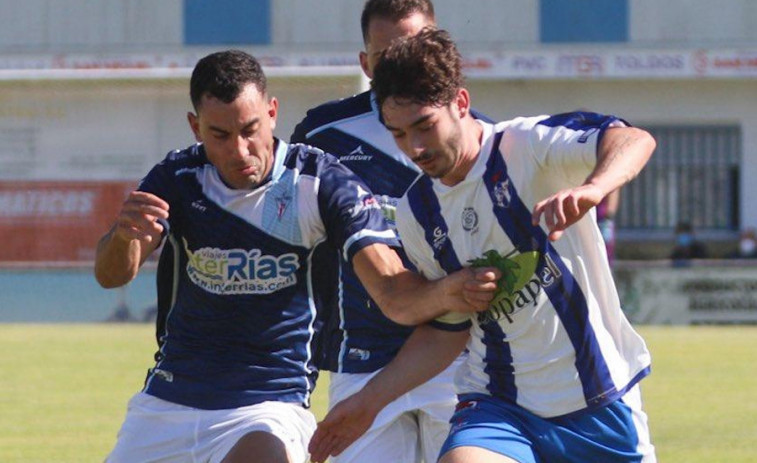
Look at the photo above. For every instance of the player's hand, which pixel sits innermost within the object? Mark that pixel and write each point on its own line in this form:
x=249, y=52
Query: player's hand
x=565, y=208
x=471, y=289
x=479, y=291
x=343, y=425
x=139, y=216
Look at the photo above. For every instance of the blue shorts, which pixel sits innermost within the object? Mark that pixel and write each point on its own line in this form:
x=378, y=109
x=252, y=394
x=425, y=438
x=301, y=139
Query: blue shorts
x=614, y=433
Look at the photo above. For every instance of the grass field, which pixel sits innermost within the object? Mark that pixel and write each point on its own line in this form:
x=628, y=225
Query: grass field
x=64, y=388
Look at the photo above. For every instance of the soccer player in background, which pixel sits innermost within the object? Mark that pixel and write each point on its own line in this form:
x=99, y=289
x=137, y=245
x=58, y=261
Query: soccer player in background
x=359, y=339
x=243, y=214
x=553, y=369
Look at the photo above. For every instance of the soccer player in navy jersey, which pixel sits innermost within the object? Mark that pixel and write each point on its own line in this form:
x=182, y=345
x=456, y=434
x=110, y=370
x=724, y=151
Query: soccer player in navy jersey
x=244, y=215
x=553, y=367
x=359, y=339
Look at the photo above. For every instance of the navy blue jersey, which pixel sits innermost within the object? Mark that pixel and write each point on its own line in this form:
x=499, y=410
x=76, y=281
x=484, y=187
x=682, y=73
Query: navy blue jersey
x=241, y=279
x=358, y=337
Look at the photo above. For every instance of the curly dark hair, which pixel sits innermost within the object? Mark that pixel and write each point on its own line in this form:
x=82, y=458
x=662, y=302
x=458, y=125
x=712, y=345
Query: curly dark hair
x=224, y=75
x=425, y=69
x=393, y=10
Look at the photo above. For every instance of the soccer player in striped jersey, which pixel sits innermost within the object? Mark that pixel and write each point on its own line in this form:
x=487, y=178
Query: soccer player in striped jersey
x=244, y=215
x=359, y=339
x=553, y=369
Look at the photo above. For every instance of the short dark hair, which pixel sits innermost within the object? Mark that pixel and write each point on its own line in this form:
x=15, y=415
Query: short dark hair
x=393, y=10
x=224, y=75
x=425, y=69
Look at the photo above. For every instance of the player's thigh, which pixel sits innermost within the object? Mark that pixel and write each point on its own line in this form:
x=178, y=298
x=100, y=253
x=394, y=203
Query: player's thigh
x=258, y=446
x=396, y=441
x=433, y=432
x=477, y=454
x=270, y=431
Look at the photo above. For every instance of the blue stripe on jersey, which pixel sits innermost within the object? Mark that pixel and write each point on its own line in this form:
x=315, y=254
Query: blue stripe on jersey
x=567, y=296
x=499, y=361
x=425, y=207
x=582, y=120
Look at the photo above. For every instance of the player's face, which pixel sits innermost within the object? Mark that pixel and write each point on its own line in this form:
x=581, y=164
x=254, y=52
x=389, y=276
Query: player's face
x=238, y=136
x=430, y=136
x=382, y=32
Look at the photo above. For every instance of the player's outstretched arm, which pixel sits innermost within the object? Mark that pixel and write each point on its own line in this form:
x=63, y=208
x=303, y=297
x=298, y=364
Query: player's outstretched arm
x=622, y=153
x=136, y=233
x=409, y=299
x=425, y=354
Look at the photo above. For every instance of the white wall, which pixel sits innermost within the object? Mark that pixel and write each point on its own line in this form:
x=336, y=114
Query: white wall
x=105, y=130
x=81, y=25
x=676, y=22
x=641, y=102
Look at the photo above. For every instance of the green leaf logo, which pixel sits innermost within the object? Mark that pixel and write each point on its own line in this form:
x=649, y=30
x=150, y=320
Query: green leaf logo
x=508, y=267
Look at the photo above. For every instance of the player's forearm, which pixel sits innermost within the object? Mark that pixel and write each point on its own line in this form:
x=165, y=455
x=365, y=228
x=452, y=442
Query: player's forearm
x=410, y=299
x=425, y=354
x=117, y=261
x=621, y=155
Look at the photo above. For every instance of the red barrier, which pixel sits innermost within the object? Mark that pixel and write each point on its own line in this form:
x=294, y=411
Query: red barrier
x=57, y=220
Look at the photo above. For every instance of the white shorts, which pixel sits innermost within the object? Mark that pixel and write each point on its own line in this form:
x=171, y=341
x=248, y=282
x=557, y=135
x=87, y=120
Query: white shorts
x=158, y=430
x=410, y=429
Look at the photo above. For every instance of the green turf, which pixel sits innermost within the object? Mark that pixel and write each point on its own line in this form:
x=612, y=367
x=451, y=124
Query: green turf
x=64, y=388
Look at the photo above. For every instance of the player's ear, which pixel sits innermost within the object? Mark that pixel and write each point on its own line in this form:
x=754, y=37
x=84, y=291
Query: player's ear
x=194, y=124
x=273, y=110
x=363, y=56
x=462, y=102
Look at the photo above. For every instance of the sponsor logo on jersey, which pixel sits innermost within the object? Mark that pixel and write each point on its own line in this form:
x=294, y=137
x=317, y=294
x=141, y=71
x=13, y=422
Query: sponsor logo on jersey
x=163, y=374
x=440, y=237
x=365, y=202
x=388, y=206
x=521, y=284
x=358, y=354
x=199, y=205
x=356, y=155
x=240, y=271
x=470, y=219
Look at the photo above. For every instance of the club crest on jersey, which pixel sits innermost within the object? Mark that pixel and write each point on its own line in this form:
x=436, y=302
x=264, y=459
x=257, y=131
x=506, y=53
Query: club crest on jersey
x=502, y=193
x=470, y=219
x=281, y=204
x=524, y=277
x=240, y=271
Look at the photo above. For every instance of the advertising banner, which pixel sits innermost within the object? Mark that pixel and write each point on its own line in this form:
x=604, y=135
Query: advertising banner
x=54, y=221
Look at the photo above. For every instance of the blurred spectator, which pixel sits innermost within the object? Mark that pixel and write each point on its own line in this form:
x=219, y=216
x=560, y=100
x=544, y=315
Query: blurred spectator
x=606, y=211
x=747, y=244
x=687, y=246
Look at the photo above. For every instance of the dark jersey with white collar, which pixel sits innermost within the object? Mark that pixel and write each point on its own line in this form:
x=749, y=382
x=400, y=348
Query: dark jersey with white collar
x=242, y=275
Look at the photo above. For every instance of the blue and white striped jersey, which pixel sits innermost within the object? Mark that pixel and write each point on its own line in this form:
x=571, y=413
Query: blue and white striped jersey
x=359, y=338
x=554, y=340
x=242, y=277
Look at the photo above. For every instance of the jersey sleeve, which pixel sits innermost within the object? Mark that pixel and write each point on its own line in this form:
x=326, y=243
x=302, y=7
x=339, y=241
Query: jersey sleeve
x=301, y=131
x=160, y=182
x=351, y=214
x=421, y=256
x=567, y=142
